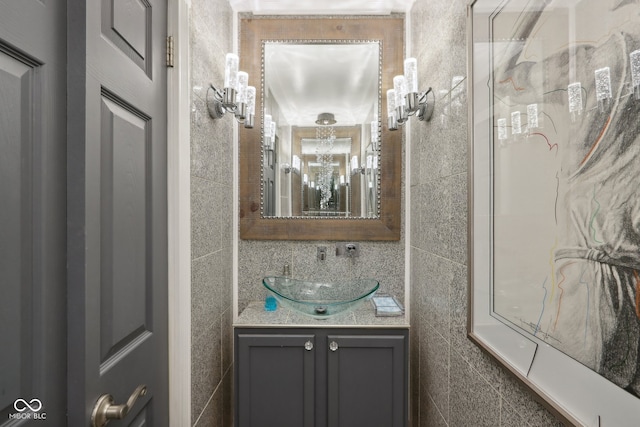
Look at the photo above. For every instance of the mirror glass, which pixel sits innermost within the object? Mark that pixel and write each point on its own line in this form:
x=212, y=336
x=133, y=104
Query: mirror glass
x=321, y=128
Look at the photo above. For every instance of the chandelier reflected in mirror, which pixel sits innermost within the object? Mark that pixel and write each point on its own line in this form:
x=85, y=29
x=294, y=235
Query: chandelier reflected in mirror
x=325, y=135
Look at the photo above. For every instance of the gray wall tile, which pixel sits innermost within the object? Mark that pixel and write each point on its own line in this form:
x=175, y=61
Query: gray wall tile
x=206, y=368
x=459, y=385
x=435, y=362
x=473, y=400
x=383, y=261
x=211, y=218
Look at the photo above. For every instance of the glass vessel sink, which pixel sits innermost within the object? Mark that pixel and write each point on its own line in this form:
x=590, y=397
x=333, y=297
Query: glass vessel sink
x=320, y=299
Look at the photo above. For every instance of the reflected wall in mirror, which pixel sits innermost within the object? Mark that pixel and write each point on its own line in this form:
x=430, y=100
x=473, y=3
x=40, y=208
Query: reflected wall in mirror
x=323, y=98
x=319, y=164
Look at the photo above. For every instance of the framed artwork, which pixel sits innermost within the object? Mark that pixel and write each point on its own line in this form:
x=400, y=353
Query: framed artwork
x=554, y=200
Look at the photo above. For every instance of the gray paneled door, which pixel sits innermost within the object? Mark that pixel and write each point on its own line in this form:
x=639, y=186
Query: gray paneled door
x=32, y=212
x=117, y=207
x=83, y=205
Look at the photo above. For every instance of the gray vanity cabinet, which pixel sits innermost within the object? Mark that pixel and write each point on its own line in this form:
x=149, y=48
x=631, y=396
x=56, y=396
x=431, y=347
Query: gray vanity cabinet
x=330, y=377
x=366, y=380
x=275, y=379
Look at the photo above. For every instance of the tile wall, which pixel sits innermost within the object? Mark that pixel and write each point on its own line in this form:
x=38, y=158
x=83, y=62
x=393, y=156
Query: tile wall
x=384, y=261
x=453, y=382
x=211, y=220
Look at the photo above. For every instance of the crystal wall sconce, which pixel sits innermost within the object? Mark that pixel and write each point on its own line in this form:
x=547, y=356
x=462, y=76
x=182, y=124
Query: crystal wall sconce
x=406, y=100
x=355, y=168
x=236, y=97
x=270, y=127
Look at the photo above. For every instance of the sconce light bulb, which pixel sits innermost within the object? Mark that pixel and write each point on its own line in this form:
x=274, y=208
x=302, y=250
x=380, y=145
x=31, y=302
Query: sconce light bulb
x=635, y=72
x=267, y=129
x=230, y=81
x=603, y=88
x=374, y=131
x=296, y=163
x=400, y=86
x=243, y=82
x=231, y=71
x=391, y=101
x=240, y=109
x=411, y=74
x=402, y=114
x=251, y=100
x=574, y=91
x=392, y=122
x=251, y=107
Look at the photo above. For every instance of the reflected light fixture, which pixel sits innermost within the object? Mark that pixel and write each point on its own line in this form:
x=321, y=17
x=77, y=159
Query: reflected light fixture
x=406, y=100
x=237, y=97
x=270, y=127
x=325, y=119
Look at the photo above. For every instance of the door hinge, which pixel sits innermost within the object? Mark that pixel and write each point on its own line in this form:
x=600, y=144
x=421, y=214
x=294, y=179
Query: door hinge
x=169, y=51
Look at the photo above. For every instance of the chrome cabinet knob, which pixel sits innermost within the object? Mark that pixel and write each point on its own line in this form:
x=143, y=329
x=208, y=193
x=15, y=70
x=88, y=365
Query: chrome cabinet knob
x=308, y=346
x=333, y=346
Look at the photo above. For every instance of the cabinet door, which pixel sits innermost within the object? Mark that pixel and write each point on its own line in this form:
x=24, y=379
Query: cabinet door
x=366, y=380
x=276, y=380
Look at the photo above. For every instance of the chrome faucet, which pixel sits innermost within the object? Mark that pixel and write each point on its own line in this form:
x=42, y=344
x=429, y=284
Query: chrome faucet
x=350, y=250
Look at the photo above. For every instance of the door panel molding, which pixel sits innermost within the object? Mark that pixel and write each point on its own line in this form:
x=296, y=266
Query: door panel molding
x=126, y=244
x=17, y=180
x=127, y=24
x=32, y=216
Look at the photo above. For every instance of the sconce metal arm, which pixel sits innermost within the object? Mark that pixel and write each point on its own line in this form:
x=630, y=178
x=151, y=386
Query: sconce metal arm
x=425, y=106
x=420, y=104
x=423, y=96
x=217, y=93
x=216, y=105
x=220, y=102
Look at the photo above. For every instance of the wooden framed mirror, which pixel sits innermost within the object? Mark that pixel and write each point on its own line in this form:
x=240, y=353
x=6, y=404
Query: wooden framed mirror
x=377, y=217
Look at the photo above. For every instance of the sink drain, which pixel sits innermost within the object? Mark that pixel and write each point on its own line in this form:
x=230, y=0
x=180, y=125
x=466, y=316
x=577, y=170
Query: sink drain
x=321, y=310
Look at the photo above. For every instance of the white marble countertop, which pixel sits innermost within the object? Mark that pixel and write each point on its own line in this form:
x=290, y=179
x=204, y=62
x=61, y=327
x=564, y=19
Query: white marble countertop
x=256, y=316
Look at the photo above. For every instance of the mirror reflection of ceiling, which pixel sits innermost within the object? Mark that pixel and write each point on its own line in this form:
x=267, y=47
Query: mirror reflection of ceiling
x=309, y=146
x=308, y=79
x=308, y=7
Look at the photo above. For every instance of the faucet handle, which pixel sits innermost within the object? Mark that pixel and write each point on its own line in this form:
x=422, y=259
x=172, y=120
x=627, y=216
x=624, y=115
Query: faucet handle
x=286, y=270
x=322, y=253
x=348, y=249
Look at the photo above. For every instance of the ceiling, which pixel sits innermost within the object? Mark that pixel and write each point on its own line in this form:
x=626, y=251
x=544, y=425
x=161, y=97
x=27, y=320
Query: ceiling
x=324, y=7
x=305, y=80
